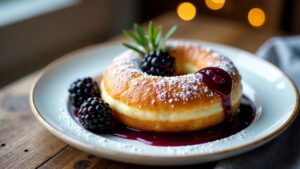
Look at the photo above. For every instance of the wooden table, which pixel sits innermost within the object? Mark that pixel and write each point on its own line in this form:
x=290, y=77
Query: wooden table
x=25, y=143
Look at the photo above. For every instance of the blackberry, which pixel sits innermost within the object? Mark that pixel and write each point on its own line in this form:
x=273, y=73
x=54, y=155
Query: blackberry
x=159, y=64
x=82, y=89
x=95, y=115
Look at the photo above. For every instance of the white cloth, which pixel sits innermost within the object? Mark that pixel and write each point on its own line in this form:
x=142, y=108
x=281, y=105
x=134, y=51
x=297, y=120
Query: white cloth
x=284, y=151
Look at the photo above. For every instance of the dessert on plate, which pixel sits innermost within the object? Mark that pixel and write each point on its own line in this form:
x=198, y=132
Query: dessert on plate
x=170, y=87
x=161, y=86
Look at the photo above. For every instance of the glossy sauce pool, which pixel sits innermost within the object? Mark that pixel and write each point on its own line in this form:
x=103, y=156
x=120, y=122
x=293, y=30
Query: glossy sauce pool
x=243, y=119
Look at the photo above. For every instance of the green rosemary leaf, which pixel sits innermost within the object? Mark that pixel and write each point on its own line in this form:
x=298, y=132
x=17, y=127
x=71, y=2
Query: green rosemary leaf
x=134, y=48
x=151, y=35
x=157, y=36
x=142, y=36
x=170, y=33
x=166, y=37
x=133, y=37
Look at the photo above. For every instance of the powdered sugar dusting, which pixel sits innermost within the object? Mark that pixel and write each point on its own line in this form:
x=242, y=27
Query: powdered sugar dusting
x=173, y=89
x=178, y=88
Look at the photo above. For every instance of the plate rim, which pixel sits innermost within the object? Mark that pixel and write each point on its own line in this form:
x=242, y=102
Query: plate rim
x=94, y=149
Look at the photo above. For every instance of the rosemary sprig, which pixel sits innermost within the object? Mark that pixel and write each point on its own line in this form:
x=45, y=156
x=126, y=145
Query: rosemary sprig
x=148, y=41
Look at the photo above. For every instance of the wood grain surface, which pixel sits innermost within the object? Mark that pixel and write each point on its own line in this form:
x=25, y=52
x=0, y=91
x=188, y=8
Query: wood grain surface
x=25, y=143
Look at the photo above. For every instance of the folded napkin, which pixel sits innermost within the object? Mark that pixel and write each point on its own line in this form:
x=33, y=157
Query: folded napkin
x=284, y=151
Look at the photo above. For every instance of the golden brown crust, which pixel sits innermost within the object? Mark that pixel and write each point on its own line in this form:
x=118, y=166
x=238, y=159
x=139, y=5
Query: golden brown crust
x=124, y=82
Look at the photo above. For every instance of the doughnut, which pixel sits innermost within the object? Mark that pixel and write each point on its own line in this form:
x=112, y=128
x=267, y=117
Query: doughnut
x=176, y=103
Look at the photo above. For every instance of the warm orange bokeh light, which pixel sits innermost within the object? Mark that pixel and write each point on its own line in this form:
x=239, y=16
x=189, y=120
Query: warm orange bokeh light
x=186, y=11
x=215, y=4
x=256, y=17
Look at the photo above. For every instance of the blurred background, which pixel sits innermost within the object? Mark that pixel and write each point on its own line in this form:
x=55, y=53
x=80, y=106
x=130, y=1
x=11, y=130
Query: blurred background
x=35, y=32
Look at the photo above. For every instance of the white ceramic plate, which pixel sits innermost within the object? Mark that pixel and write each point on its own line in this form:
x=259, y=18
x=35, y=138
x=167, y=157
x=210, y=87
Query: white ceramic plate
x=265, y=84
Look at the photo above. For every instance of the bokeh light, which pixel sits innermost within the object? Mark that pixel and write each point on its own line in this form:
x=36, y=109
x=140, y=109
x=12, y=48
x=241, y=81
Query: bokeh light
x=186, y=11
x=256, y=17
x=215, y=4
